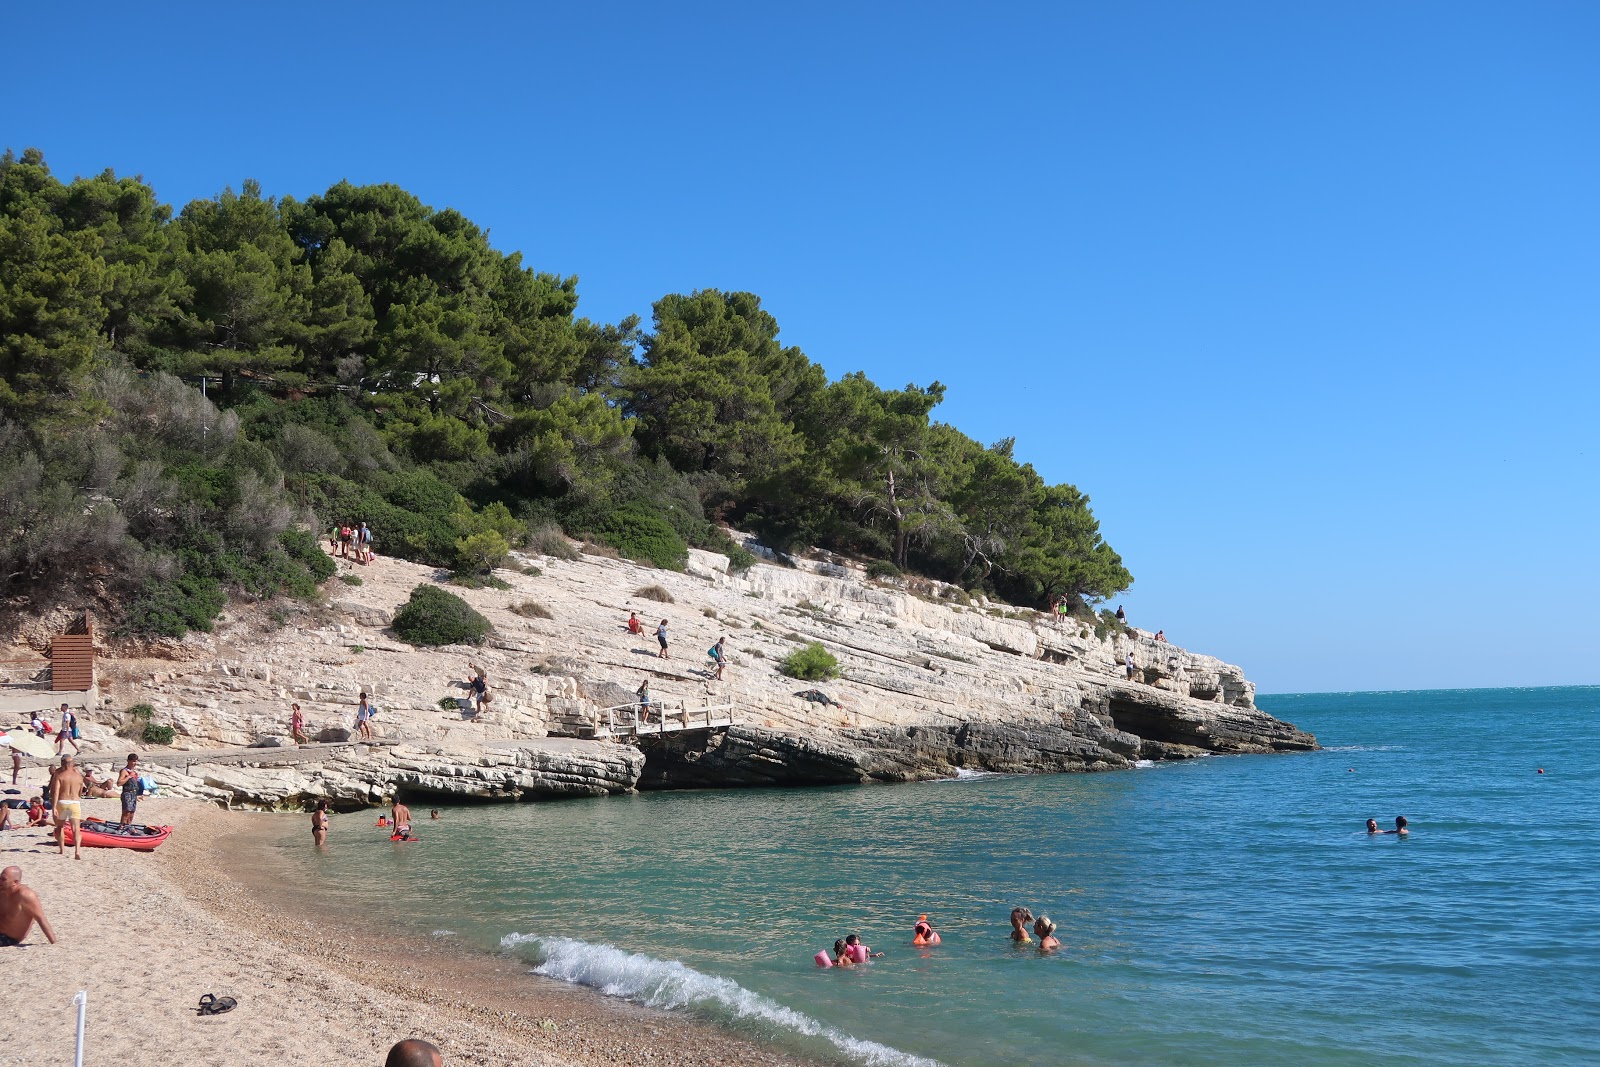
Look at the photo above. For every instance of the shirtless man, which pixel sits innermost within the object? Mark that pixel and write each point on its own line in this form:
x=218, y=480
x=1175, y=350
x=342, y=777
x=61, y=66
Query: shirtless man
x=66, y=800
x=414, y=1052
x=19, y=910
x=400, y=820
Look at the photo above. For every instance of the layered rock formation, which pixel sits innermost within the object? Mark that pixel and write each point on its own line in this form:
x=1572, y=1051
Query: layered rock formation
x=932, y=683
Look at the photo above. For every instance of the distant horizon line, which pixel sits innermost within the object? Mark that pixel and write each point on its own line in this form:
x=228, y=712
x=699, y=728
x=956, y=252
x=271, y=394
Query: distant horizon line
x=1444, y=689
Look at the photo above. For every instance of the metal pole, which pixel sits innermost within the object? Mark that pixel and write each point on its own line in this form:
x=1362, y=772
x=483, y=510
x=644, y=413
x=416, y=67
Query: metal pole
x=81, y=999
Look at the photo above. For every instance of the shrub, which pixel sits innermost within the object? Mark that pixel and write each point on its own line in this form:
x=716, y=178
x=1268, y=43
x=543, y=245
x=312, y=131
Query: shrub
x=482, y=551
x=157, y=734
x=450, y=703
x=654, y=592
x=709, y=613
x=350, y=579
x=142, y=711
x=357, y=649
x=433, y=616
x=640, y=535
x=532, y=609
x=303, y=547
x=592, y=548
x=477, y=580
x=882, y=568
x=813, y=663
x=548, y=540
x=531, y=571
x=739, y=559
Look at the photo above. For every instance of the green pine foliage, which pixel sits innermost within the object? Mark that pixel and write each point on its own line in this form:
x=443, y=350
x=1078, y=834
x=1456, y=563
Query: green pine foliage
x=433, y=616
x=364, y=356
x=812, y=663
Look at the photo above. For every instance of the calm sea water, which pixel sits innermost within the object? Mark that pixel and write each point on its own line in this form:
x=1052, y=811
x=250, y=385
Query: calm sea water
x=1222, y=911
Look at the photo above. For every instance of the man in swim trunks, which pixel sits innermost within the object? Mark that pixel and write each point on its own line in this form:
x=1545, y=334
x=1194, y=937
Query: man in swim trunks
x=400, y=816
x=128, y=782
x=66, y=797
x=19, y=910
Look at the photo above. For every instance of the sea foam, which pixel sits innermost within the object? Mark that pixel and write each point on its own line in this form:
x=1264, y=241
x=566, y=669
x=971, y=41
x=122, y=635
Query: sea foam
x=669, y=984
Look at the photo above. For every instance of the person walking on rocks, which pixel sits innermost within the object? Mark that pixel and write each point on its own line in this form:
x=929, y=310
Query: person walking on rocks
x=364, y=544
x=643, y=693
x=363, y=719
x=128, y=780
x=67, y=734
x=661, y=636
x=719, y=653
x=477, y=688
x=1130, y=664
x=297, y=725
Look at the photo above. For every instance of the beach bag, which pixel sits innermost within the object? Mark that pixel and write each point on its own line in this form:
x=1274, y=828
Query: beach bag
x=486, y=698
x=147, y=785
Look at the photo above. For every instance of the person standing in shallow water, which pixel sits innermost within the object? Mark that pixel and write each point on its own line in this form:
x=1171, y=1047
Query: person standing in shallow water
x=319, y=823
x=1020, y=918
x=1400, y=825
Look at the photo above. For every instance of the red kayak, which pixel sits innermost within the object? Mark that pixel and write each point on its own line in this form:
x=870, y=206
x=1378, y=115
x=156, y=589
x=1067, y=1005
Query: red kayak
x=97, y=834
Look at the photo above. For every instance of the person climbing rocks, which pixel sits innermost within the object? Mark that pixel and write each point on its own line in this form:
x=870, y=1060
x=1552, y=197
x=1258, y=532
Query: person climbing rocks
x=661, y=636
x=719, y=653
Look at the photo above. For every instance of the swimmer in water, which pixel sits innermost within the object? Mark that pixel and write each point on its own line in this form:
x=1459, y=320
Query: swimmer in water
x=841, y=954
x=1020, y=918
x=1372, y=827
x=858, y=952
x=1400, y=825
x=1047, y=934
x=922, y=933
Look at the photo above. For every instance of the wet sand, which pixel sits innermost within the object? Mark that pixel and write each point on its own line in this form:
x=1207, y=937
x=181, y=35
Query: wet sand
x=147, y=934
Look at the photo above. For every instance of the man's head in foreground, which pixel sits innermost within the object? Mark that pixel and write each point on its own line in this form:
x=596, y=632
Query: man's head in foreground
x=414, y=1052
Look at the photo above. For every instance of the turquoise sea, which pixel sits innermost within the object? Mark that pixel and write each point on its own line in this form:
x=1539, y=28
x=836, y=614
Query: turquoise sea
x=1228, y=910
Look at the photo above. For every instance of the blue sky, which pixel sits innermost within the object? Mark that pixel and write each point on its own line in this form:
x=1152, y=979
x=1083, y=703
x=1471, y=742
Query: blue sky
x=1303, y=296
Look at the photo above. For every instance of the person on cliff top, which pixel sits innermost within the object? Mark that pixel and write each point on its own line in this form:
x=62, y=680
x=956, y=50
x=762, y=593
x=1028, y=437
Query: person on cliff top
x=661, y=636
x=1161, y=635
x=477, y=687
x=128, y=781
x=319, y=823
x=1020, y=918
x=635, y=627
x=67, y=733
x=1122, y=616
x=19, y=910
x=297, y=725
x=1047, y=934
x=718, y=653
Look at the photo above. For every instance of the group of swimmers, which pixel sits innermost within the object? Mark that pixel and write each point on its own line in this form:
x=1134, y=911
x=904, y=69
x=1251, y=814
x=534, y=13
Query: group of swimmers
x=1399, y=826
x=850, y=952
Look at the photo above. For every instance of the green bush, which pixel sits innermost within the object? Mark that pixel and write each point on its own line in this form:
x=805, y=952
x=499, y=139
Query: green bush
x=548, y=540
x=739, y=560
x=157, y=734
x=350, y=579
x=303, y=547
x=642, y=536
x=882, y=568
x=483, y=551
x=450, y=703
x=435, y=617
x=813, y=663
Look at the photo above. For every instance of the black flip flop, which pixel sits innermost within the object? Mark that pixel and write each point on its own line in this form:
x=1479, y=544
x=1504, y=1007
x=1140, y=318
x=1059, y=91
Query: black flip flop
x=211, y=1004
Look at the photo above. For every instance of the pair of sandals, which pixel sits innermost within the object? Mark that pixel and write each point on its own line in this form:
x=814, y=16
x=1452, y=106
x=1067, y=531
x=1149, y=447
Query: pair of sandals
x=211, y=1004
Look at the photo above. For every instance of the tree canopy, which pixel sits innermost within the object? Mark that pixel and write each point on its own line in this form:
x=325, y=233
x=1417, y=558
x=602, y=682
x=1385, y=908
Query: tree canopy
x=366, y=355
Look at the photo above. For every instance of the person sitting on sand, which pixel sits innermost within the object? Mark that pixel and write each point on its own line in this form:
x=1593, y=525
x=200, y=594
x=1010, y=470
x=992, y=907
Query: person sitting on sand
x=1047, y=934
x=36, y=812
x=414, y=1052
x=1020, y=918
x=1400, y=825
x=19, y=910
x=922, y=933
x=635, y=627
x=97, y=787
x=858, y=952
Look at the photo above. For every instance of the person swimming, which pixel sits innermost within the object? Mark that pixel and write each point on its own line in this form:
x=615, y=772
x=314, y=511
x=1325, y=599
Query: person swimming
x=922, y=933
x=841, y=954
x=858, y=952
x=1047, y=934
x=1400, y=825
x=1020, y=918
x=1372, y=827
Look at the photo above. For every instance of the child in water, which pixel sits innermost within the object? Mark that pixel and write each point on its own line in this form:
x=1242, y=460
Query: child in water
x=922, y=933
x=858, y=952
x=1047, y=934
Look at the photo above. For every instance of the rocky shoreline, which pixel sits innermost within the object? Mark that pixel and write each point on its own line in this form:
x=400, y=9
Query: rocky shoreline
x=933, y=684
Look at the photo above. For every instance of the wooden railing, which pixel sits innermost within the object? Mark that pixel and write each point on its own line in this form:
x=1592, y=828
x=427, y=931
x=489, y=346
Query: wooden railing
x=657, y=717
x=37, y=670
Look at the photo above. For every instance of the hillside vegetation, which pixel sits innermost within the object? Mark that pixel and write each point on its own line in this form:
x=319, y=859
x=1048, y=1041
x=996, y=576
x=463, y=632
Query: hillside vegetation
x=366, y=357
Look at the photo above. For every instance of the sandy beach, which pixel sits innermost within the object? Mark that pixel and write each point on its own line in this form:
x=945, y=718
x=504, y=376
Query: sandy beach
x=146, y=935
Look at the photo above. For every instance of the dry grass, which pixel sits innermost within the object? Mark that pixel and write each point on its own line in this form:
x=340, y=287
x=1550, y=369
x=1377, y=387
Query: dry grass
x=654, y=592
x=532, y=609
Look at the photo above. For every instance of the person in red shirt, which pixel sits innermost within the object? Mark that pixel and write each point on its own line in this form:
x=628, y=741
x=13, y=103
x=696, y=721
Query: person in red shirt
x=634, y=625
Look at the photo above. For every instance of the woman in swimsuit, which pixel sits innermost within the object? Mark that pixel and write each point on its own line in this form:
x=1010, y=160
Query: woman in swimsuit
x=1020, y=918
x=1047, y=934
x=128, y=779
x=319, y=823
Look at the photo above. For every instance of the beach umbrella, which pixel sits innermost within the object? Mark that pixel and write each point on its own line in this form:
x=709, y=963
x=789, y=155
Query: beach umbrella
x=28, y=744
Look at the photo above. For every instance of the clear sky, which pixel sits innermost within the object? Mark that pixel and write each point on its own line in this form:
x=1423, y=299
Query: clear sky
x=1306, y=297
